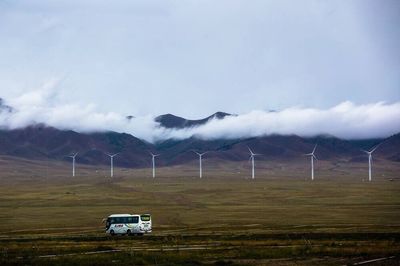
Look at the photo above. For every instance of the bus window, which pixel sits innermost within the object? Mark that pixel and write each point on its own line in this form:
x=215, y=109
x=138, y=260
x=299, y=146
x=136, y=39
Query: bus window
x=123, y=220
x=133, y=220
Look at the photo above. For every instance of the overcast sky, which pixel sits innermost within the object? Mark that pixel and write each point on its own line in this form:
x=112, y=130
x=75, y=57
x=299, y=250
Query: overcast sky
x=327, y=67
x=193, y=58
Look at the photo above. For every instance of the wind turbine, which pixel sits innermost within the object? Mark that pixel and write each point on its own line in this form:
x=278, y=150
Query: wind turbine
x=153, y=161
x=200, y=162
x=252, y=154
x=112, y=163
x=312, y=161
x=73, y=163
x=370, y=161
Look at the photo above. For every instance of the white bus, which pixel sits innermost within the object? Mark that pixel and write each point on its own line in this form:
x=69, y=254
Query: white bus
x=128, y=224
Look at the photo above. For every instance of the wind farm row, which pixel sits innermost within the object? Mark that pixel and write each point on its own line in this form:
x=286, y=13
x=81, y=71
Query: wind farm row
x=251, y=159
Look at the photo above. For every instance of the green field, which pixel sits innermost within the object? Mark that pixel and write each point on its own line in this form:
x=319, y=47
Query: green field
x=281, y=217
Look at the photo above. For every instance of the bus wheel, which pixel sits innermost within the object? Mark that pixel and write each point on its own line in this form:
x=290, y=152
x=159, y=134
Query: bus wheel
x=128, y=232
x=112, y=233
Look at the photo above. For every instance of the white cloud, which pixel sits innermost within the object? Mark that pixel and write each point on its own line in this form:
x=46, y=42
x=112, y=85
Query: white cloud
x=345, y=120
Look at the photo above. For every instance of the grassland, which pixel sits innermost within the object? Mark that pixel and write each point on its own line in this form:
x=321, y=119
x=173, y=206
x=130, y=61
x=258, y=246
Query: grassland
x=280, y=218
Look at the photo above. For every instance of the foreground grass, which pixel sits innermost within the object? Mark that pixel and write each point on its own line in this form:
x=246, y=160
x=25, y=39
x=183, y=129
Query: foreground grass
x=227, y=249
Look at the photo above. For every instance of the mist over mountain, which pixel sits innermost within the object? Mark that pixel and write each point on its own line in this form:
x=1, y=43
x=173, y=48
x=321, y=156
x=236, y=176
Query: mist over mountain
x=345, y=120
x=41, y=142
x=35, y=127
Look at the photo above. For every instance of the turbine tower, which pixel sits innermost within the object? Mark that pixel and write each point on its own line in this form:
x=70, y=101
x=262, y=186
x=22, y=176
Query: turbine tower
x=200, y=162
x=73, y=156
x=370, y=161
x=252, y=155
x=153, y=161
x=312, y=161
x=112, y=163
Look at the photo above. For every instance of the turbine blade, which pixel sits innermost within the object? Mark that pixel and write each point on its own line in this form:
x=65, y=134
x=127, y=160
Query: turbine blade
x=367, y=152
x=376, y=147
x=154, y=154
x=196, y=152
x=314, y=148
x=251, y=152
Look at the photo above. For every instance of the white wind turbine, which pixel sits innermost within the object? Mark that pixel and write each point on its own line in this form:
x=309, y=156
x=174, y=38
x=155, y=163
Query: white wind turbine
x=73, y=156
x=200, y=162
x=252, y=154
x=370, y=161
x=312, y=161
x=112, y=163
x=153, y=161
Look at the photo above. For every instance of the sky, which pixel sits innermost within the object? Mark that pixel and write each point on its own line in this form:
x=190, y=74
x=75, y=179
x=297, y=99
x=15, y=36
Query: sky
x=193, y=58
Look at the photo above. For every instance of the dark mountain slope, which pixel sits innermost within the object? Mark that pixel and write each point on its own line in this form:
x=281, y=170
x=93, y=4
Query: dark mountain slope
x=274, y=147
x=172, y=121
x=390, y=148
x=40, y=142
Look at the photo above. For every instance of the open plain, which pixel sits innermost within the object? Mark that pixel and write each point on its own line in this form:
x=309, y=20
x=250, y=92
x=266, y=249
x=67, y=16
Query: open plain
x=225, y=218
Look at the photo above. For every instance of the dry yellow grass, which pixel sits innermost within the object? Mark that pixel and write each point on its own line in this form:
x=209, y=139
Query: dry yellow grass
x=280, y=218
x=280, y=198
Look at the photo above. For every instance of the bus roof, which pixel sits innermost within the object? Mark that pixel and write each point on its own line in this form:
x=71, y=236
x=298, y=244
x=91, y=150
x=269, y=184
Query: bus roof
x=123, y=215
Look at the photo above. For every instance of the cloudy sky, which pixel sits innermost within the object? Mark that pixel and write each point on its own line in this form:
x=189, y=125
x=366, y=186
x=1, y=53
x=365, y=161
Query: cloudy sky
x=193, y=58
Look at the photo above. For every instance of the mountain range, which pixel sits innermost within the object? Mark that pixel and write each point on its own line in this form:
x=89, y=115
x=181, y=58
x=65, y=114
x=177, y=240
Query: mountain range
x=39, y=142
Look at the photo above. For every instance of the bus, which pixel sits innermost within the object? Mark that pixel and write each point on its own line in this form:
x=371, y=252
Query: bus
x=128, y=224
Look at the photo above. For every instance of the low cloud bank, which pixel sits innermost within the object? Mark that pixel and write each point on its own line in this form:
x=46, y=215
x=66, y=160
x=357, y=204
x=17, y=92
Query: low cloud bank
x=345, y=120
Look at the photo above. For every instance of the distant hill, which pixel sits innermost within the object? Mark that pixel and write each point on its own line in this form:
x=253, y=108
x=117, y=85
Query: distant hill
x=275, y=147
x=40, y=142
x=390, y=148
x=172, y=121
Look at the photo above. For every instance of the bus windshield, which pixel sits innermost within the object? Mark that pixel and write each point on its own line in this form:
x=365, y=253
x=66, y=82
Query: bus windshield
x=145, y=218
